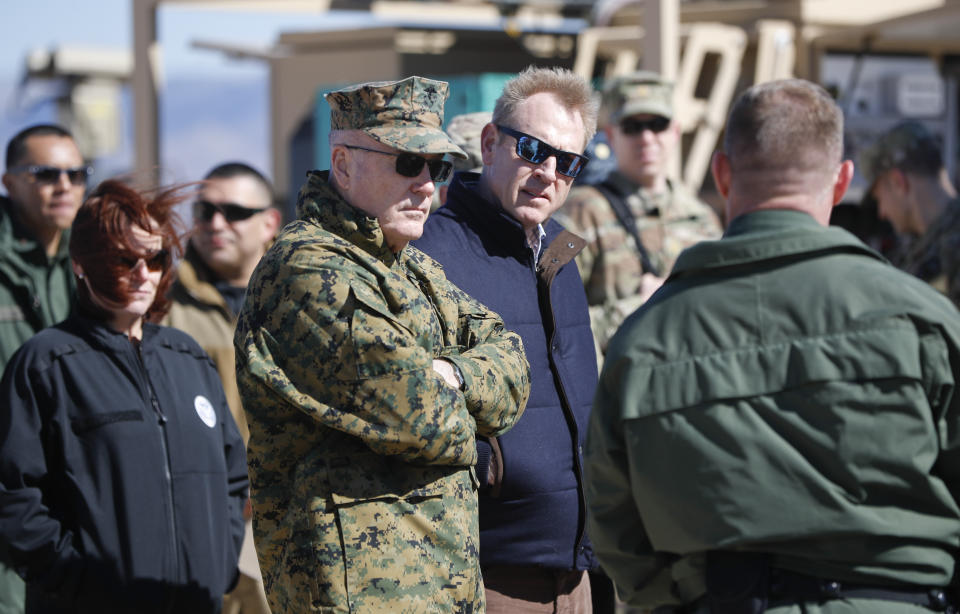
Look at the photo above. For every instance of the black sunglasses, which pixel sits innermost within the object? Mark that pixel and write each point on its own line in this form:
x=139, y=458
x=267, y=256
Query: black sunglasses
x=410, y=165
x=632, y=125
x=532, y=149
x=49, y=175
x=204, y=210
x=155, y=261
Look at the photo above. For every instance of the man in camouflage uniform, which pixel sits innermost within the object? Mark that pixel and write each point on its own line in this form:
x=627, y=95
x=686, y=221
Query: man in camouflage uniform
x=366, y=377
x=637, y=221
x=911, y=189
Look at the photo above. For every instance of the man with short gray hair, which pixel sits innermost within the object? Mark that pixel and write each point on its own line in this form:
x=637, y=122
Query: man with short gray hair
x=911, y=189
x=775, y=429
x=366, y=377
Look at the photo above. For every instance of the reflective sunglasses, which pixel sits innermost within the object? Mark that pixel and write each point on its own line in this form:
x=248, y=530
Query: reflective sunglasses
x=410, y=165
x=204, y=210
x=534, y=150
x=48, y=175
x=632, y=125
x=155, y=261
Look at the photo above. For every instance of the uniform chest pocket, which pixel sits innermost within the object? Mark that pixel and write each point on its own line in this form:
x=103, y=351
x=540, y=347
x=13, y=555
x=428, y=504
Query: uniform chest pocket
x=89, y=422
x=382, y=343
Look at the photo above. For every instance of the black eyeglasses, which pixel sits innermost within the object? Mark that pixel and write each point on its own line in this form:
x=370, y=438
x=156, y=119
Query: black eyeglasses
x=204, y=210
x=532, y=149
x=632, y=125
x=411, y=165
x=155, y=261
x=49, y=175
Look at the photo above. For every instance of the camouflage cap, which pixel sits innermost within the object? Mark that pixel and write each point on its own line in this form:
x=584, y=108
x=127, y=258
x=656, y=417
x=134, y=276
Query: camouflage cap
x=906, y=140
x=464, y=131
x=639, y=92
x=406, y=115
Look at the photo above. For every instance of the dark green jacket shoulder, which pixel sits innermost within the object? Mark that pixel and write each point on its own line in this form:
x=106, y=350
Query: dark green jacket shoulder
x=35, y=290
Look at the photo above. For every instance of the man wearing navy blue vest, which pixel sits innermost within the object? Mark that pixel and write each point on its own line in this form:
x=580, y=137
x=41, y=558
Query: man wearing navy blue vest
x=496, y=241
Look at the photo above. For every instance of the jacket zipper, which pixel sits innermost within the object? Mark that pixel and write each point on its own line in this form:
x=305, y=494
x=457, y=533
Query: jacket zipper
x=167, y=472
x=568, y=414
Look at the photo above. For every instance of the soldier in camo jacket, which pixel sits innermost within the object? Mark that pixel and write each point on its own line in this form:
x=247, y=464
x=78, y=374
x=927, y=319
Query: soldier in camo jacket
x=366, y=377
x=637, y=221
x=911, y=189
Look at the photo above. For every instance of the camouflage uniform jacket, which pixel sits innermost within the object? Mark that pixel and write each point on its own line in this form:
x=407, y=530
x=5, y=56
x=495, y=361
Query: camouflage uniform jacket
x=935, y=257
x=360, y=454
x=611, y=265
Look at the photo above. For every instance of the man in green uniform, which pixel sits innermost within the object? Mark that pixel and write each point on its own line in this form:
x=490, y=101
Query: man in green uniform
x=45, y=179
x=776, y=429
x=912, y=190
x=366, y=377
x=637, y=221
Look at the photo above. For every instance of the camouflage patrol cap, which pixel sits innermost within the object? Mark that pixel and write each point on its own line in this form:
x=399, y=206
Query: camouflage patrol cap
x=906, y=142
x=406, y=115
x=639, y=92
x=464, y=131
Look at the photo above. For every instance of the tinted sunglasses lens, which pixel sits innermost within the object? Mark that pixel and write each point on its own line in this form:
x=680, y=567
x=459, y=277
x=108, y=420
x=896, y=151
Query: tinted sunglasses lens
x=636, y=126
x=439, y=170
x=51, y=174
x=203, y=210
x=411, y=165
x=570, y=164
x=158, y=261
x=46, y=174
x=532, y=150
x=77, y=176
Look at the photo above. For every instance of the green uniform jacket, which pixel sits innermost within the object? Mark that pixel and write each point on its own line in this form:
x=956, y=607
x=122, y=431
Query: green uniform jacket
x=788, y=392
x=360, y=454
x=198, y=309
x=35, y=292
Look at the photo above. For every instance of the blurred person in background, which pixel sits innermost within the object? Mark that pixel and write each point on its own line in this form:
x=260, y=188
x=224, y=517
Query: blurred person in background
x=910, y=188
x=464, y=131
x=122, y=473
x=637, y=220
x=234, y=222
x=45, y=179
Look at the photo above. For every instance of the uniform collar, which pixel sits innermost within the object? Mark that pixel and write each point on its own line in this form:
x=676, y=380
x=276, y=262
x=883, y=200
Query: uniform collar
x=321, y=204
x=766, y=235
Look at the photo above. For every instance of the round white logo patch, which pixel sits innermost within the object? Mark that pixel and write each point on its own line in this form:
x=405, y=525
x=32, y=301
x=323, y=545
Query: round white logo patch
x=205, y=410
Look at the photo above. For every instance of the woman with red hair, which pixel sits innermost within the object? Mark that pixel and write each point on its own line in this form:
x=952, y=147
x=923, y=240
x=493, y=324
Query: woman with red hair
x=122, y=473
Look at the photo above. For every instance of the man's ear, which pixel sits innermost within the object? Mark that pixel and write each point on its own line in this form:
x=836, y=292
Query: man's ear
x=842, y=181
x=488, y=141
x=340, y=169
x=271, y=223
x=720, y=168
